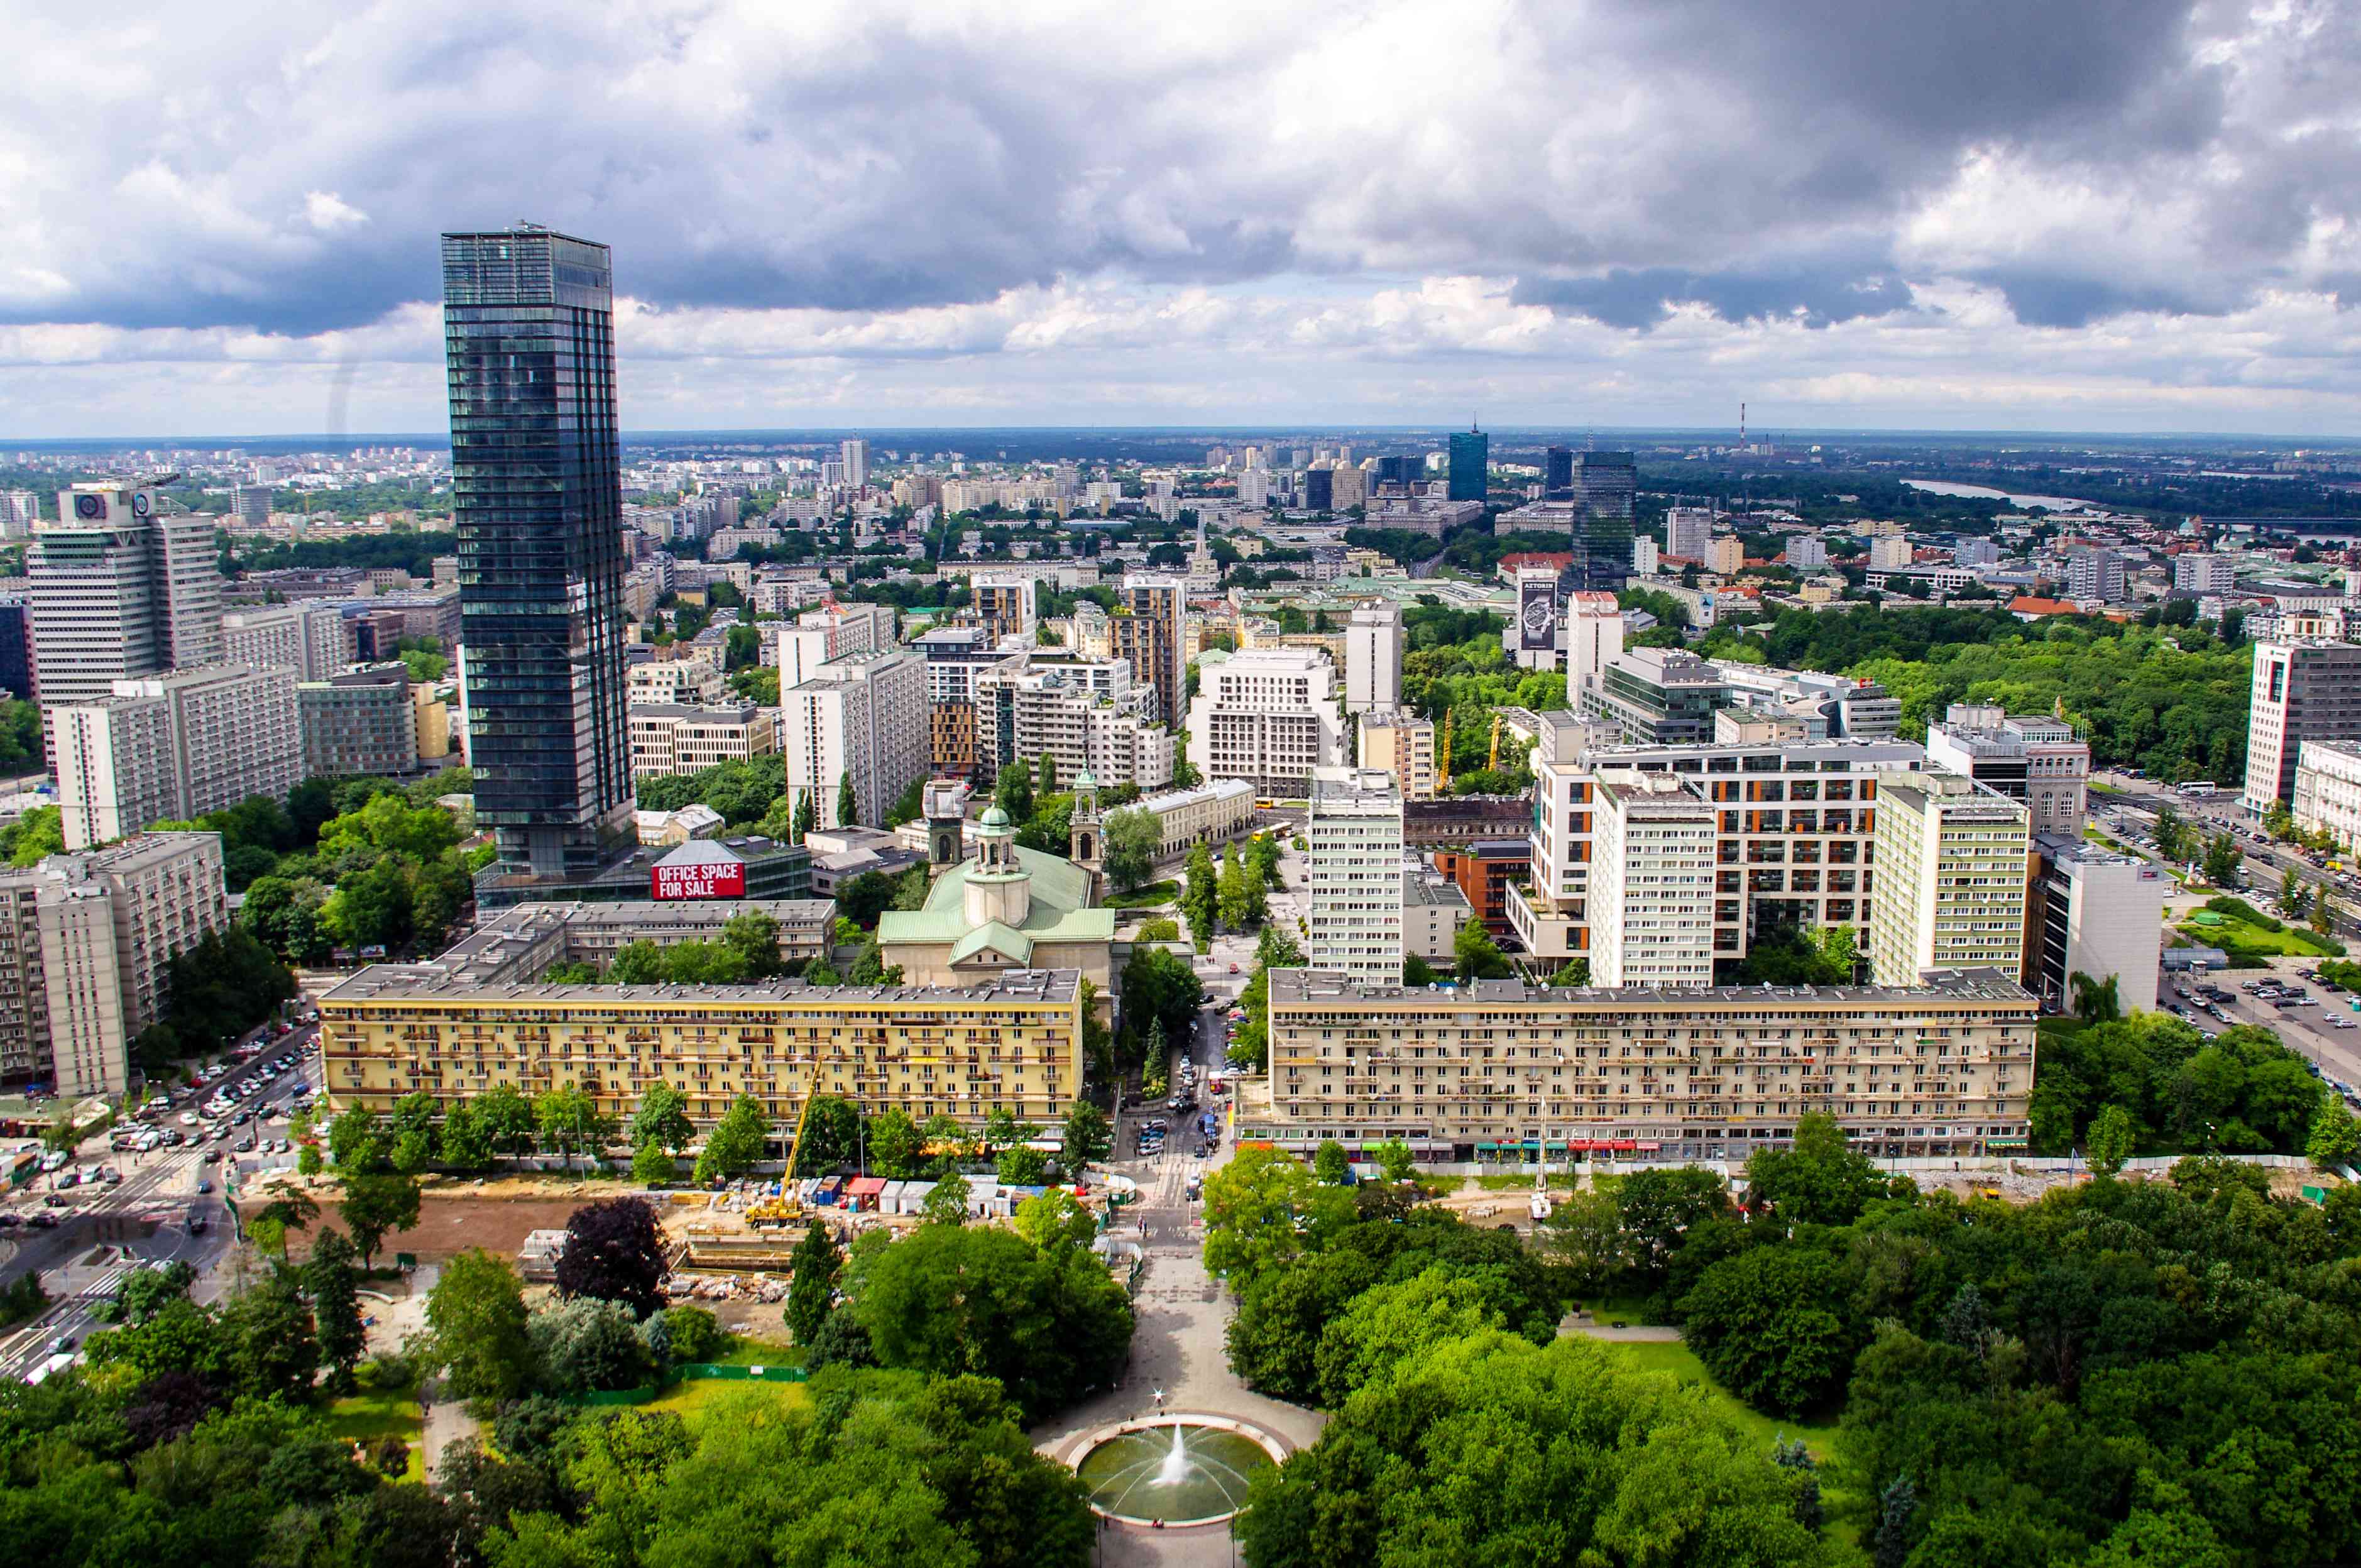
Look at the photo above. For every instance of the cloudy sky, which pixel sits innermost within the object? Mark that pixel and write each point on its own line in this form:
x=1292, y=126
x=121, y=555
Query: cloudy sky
x=2101, y=214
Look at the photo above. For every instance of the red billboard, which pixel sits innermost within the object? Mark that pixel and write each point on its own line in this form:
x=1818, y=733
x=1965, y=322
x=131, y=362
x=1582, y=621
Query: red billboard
x=711, y=879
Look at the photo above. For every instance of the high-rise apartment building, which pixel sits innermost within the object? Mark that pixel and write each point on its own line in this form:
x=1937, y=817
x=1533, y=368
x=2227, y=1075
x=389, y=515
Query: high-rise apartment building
x=1502, y=1067
x=1149, y=635
x=122, y=585
x=1353, y=918
x=2305, y=689
x=359, y=723
x=864, y=719
x=2203, y=574
x=172, y=747
x=1688, y=533
x=528, y=325
x=1953, y=868
x=1605, y=484
x=2029, y=757
x=1652, y=882
x=16, y=646
x=1806, y=551
x=1085, y=715
x=854, y=452
x=1373, y=657
x=1398, y=742
x=2096, y=574
x=1468, y=476
x=1890, y=553
x=1557, y=474
x=1268, y=715
x=314, y=640
x=86, y=962
x=1006, y=603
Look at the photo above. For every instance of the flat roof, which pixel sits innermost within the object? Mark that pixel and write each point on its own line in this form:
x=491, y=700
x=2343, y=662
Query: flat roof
x=1303, y=986
x=395, y=982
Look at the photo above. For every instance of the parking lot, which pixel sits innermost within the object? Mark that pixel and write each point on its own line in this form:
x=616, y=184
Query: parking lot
x=2318, y=1021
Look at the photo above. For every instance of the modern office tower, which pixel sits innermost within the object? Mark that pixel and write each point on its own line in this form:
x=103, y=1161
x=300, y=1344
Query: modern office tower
x=174, y=747
x=1268, y=715
x=2032, y=758
x=1606, y=483
x=1688, y=533
x=92, y=936
x=2327, y=797
x=2305, y=689
x=19, y=510
x=359, y=723
x=1953, y=866
x=863, y=717
x=1889, y=552
x=1254, y=488
x=250, y=504
x=2203, y=574
x=16, y=646
x=528, y=326
x=1149, y=635
x=1806, y=551
x=311, y=639
x=1937, y=1069
x=1401, y=471
x=1354, y=903
x=1793, y=830
x=2096, y=913
x=670, y=737
x=2095, y=575
x=1398, y=742
x=122, y=585
x=678, y=680
x=855, y=455
x=1008, y=602
x=885, y=1048
x=1557, y=474
x=1373, y=657
x=1320, y=489
x=1469, y=476
x=1656, y=696
x=1652, y=882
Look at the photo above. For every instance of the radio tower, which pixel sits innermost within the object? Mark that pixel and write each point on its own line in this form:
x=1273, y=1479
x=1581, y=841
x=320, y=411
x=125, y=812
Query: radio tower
x=1741, y=427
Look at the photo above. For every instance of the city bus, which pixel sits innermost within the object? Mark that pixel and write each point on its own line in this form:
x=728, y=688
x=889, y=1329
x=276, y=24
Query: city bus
x=2198, y=786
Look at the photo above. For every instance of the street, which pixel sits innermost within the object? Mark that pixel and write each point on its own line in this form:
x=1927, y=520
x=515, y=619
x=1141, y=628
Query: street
x=2263, y=863
x=103, y=1232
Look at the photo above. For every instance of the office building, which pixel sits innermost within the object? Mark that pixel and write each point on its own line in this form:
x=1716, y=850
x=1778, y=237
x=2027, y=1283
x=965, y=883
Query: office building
x=1209, y=814
x=1469, y=473
x=1320, y=489
x=1268, y=715
x=309, y=638
x=1793, y=828
x=670, y=737
x=2095, y=575
x=1353, y=828
x=1831, y=705
x=528, y=325
x=1484, y=870
x=2095, y=912
x=2029, y=757
x=361, y=722
x=864, y=718
x=1013, y=1044
x=20, y=511
x=1506, y=1070
x=1688, y=533
x=1655, y=696
x=855, y=454
x=676, y=681
x=1557, y=474
x=1150, y=628
x=1605, y=484
x=1373, y=657
x=87, y=963
x=123, y=584
x=1951, y=857
x=16, y=646
x=171, y=748
x=2327, y=794
x=1652, y=882
x=2203, y=574
x=1397, y=742
x=2305, y=689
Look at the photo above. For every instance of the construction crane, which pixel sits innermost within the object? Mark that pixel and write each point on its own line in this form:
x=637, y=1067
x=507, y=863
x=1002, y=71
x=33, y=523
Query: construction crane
x=1443, y=757
x=803, y=1118
x=1493, y=764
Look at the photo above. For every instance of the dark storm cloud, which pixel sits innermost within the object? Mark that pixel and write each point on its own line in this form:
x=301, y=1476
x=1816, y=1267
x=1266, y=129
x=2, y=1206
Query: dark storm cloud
x=1762, y=160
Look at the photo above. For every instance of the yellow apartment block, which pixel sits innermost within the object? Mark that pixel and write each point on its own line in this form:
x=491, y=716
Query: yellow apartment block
x=1015, y=1044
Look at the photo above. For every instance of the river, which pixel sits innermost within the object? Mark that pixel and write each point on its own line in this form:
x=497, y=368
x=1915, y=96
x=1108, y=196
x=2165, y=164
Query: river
x=1985, y=492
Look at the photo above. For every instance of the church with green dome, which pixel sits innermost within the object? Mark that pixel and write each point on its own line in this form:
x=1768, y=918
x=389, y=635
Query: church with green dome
x=1006, y=908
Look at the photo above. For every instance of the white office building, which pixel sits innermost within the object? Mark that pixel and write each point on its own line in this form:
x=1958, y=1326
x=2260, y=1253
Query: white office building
x=1373, y=657
x=2328, y=790
x=1354, y=831
x=2029, y=757
x=121, y=585
x=1688, y=533
x=1268, y=715
x=1653, y=883
x=2096, y=913
x=2305, y=689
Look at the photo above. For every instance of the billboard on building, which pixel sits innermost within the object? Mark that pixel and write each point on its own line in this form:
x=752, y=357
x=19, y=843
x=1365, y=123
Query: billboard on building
x=1537, y=610
x=699, y=869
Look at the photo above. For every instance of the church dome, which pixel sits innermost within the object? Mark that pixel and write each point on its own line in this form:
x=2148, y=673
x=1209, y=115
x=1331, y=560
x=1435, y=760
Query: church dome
x=994, y=819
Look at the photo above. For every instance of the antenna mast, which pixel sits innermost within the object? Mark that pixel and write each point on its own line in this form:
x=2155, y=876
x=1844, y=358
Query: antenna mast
x=1741, y=427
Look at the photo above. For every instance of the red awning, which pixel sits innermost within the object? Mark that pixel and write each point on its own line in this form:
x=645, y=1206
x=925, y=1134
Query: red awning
x=866, y=1186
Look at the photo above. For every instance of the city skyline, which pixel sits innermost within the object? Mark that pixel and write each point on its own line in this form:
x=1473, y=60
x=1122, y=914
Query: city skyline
x=2113, y=217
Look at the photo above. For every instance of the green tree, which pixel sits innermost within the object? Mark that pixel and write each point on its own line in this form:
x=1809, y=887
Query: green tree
x=2096, y=1000
x=1478, y=957
x=2335, y=1137
x=1014, y=792
x=653, y=1165
x=1022, y=1165
x=357, y=1140
x=848, y=803
x=807, y=816
x=1133, y=839
x=1330, y=1164
x=466, y=1143
x=477, y=1315
x=1769, y=1323
x=505, y=1116
x=946, y=1202
x=2171, y=835
x=1158, y=928
x=1394, y=1162
x=1199, y=896
x=1045, y=773
x=1251, y=1206
x=1574, y=971
x=335, y=1288
x=1232, y=891
x=897, y=1148
x=1389, y=1323
x=1085, y=1137
x=816, y=1262
x=2113, y=1138
x=735, y=1144
x=375, y=1206
x=662, y=1120
x=2222, y=860
x=1819, y=1180
x=570, y=1122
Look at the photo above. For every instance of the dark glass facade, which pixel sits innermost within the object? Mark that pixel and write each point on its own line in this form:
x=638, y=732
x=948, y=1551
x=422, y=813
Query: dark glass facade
x=1557, y=474
x=16, y=649
x=1471, y=466
x=529, y=335
x=1604, y=485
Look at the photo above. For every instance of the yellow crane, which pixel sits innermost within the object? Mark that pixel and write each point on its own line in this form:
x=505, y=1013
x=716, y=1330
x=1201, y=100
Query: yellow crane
x=1442, y=756
x=1493, y=764
x=803, y=1118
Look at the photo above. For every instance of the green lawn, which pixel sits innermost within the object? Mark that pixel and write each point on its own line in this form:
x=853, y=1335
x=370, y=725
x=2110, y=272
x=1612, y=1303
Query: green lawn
x=1683, y=1363
x=690, y=1397
x=2233, y=935
x=365, y=1418
x=747, y=1351
x=1146, y=897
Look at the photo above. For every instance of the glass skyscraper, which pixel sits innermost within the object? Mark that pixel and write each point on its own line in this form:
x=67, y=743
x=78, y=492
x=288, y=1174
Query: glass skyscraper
x=1471, y=466
x=528, y=336
x=1605, y=485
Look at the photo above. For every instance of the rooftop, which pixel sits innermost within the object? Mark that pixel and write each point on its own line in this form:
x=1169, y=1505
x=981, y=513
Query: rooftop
x=388, y=982
x=1300, y=987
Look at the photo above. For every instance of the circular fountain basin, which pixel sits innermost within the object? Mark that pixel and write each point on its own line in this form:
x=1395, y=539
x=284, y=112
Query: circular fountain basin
x=1178, y=1469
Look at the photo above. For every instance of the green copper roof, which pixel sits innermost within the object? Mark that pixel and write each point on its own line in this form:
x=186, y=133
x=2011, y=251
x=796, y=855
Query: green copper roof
x=998, y=938
x=1058, y=912
x=993, y=817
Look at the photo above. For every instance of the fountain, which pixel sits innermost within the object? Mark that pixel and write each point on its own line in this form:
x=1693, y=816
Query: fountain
x=1198, y=1475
